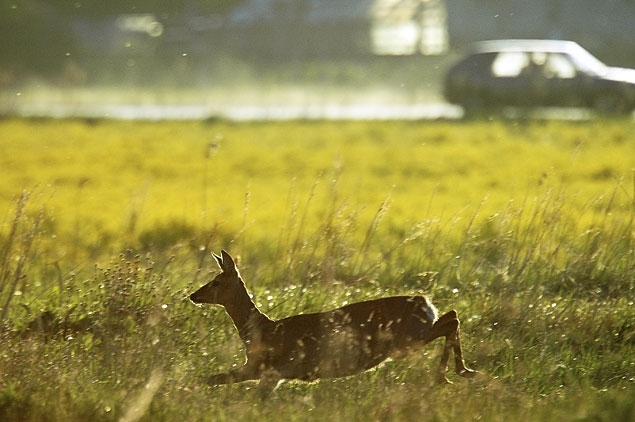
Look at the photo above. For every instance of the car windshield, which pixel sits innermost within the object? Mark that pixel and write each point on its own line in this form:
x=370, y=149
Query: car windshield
x=587, y=62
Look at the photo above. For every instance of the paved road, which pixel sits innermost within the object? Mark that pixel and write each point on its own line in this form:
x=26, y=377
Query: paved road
x=240, y=112
x=424, y=111
x=248, y=105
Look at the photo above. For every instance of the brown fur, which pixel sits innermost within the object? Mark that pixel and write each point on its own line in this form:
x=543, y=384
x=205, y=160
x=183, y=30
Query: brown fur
x=336, y=343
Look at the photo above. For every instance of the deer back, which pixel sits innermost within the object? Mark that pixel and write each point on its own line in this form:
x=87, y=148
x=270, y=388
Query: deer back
x=344, y=341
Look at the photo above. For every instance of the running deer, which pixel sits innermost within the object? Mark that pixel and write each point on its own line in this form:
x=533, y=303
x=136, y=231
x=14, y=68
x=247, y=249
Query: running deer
x=337, y=343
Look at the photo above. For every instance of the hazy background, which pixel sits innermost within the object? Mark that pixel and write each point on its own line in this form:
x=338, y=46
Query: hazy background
x=270, y=58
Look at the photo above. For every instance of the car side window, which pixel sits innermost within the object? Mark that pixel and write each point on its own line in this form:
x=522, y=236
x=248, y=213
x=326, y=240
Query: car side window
x=559, y=66
x=510, y=64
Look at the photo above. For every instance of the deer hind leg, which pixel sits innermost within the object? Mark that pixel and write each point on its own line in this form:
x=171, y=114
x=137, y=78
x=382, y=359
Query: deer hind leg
x=448, y=326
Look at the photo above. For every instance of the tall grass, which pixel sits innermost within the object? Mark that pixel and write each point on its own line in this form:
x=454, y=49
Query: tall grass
x=17, y=250
x=116, y=185
x=543, y=281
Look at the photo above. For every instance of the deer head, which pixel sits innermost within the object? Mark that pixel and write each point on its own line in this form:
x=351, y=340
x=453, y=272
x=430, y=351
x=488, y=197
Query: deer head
x=223, y=287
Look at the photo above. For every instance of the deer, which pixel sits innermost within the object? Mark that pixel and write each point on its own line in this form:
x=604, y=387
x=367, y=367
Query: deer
x=337, y=343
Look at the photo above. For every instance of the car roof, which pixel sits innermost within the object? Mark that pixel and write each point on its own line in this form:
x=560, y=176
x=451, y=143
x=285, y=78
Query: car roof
x=494, y=46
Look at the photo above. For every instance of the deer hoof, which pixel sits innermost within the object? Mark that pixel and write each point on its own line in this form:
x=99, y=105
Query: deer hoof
x=217, y=380
x=467, y=373
x=443, y=380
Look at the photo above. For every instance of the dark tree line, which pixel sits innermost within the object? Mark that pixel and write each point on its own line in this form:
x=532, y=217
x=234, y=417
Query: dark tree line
x=97, y=8
x=35, y=35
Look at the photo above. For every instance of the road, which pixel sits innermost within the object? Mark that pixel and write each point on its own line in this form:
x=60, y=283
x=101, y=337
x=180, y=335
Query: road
x=246, y=104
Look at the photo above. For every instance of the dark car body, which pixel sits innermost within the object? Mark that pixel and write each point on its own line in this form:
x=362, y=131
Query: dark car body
x=538, y=73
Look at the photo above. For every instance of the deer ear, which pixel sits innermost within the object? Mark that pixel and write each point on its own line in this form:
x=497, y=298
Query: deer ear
x=219, y=260
x=227, y=262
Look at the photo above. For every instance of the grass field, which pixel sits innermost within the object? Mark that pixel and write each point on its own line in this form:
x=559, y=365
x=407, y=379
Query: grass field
x=526, y=228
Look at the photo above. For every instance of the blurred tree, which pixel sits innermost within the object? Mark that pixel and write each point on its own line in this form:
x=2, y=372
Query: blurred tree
x=34, y=38
x=97, y=8
x=35, y=35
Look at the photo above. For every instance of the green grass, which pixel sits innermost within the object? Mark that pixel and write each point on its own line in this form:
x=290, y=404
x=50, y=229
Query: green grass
x=526, y=228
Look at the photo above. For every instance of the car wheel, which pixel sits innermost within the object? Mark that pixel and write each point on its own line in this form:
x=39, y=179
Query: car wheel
x=610, y=104
x=476, y=108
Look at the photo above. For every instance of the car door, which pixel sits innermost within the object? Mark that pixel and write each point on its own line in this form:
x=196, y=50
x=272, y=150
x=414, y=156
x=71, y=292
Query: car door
x=563, y=82
x=513, y=79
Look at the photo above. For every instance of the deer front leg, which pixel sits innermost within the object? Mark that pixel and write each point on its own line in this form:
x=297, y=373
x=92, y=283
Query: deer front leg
x=269, y=381
x=243, y=373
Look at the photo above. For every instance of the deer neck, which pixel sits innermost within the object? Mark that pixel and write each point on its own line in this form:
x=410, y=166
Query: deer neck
x=246, y=316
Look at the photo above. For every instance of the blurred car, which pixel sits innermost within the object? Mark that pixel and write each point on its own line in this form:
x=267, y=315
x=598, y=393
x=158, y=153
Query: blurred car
x=538, y=73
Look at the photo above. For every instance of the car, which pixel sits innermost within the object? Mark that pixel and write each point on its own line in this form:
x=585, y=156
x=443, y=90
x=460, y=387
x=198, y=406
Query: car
x=537, y=73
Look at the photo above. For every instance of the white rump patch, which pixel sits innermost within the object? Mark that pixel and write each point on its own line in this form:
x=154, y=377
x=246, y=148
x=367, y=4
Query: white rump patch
x=431, y=311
